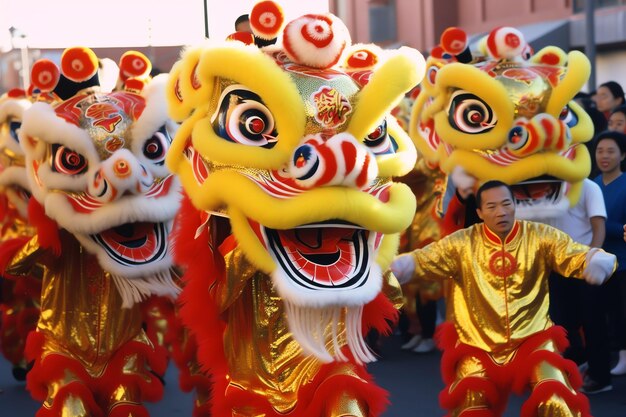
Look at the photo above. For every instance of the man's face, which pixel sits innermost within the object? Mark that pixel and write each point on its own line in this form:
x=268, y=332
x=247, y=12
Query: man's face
x=497, y=210
x=243, y=26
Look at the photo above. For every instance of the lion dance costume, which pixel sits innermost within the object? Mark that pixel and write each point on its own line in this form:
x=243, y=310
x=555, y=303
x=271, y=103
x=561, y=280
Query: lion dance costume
x=505, y=114
x=19, y=298
x=286, y=155
x=102, y=205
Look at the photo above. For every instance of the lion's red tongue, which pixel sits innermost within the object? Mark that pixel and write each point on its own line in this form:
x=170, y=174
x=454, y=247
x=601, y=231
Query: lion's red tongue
x=533, y=191
x=128, y=232
x=317, y=240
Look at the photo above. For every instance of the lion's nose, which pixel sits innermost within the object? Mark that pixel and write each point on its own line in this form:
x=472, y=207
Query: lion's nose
x=340, y=160
x=541, y=133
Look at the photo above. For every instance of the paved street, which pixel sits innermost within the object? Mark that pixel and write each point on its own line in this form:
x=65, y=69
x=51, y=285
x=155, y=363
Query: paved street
x=413, y=381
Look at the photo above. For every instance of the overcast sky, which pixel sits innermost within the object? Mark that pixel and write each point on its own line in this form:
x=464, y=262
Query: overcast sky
x=52, y=23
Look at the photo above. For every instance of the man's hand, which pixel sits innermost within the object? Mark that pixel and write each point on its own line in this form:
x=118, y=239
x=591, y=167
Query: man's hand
x=599, y=266
x=625, y=233
x=465, y=183
x=403, y=267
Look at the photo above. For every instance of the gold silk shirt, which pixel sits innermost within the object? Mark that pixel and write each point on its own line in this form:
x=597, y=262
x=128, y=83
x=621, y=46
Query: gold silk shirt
x=499, y=289
x=262, y=355
x=81, y=309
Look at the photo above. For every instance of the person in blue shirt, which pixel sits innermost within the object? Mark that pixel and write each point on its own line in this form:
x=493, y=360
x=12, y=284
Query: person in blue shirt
x=610, y=154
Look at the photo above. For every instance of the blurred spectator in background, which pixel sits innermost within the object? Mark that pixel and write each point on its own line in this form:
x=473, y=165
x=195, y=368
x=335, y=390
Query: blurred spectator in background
x=242, y=24
x=617, y=120
x=609, y=96
x=586, y=101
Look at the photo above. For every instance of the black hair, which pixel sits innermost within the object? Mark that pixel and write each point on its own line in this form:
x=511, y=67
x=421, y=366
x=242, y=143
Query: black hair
x=616, y=90
x=489, y=185
x=619, y=109
x=618, y=137
x=241, y=19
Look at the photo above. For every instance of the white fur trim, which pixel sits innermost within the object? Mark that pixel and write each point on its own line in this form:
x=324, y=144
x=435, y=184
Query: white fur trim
x=129, y=209
x=318, y=332
x=14, y=175
x=13, y=108
x=108, y=73
x=542, y=211
x=41, y=122
x=155, y=114
x=136, y=290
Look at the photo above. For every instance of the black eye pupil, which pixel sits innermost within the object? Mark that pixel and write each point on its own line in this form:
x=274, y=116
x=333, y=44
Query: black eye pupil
x=375, y=134
x=256, y=125
x=72, y=159
x=153, y=149
x=476, y=117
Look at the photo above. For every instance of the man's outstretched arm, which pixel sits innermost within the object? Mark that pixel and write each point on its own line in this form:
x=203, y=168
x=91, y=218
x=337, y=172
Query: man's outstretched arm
x=439, y=260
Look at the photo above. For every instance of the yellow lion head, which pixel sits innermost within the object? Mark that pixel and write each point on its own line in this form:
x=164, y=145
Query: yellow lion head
x=508, y=115
x=296, y=145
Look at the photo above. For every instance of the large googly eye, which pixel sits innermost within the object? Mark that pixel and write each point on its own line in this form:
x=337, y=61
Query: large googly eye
x=305, y=163
x=66, y=161
x=156, y=147
x=379, y=141
x=14, y=126
x=469, y=114
x=517, y=139
x=568, y=117
x=242, y=117
x=431, y=74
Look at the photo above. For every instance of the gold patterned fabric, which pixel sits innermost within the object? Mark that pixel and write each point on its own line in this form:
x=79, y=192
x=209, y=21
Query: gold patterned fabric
x=499, y=289
x=81, y=310
x=263, y=356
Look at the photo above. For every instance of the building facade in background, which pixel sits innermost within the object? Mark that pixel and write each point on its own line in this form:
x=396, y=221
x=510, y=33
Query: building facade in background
x=419, y=23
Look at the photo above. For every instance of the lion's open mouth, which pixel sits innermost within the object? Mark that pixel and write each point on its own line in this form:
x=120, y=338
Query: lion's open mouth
x=133, y=244
x=538, y=191
x=330, y=255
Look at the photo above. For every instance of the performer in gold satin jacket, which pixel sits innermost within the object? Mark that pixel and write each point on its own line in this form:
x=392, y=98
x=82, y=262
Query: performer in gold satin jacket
x=499, y=337
x=102, y=205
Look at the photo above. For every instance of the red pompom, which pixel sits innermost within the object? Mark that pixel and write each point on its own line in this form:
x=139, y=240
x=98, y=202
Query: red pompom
x=45, y=75
x=79, y=64
x=266, y=19
x=362, y=58
x=134, y=64
x=454, y=40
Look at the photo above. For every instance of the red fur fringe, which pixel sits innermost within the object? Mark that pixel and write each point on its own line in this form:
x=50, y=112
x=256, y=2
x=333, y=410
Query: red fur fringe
x=454, y=217
x=54, y=366
x=47, y=229
x=450, y=399
x=128, y=410
x=546, y=390
x=314, y=396
x=75, y=389
x=198, y=311
x=378, y=314
x=514, y=376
